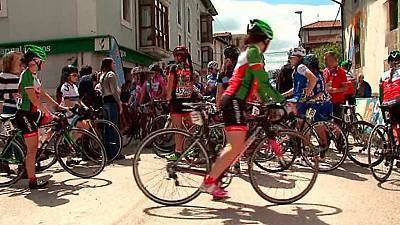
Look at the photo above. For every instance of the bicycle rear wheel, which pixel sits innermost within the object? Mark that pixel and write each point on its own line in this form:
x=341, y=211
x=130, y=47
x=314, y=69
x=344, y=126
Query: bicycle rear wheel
x=380, y=153
x=12, y=163
x=331, y=142
x=171, y=182
x=81, y=153
x=281, y=184
x=111, y=138
x=358, y=135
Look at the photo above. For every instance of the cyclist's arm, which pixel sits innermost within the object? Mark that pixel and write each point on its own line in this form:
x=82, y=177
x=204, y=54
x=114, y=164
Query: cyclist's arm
x=30, y=91
x=312, y=81
x=265, y=90
x=170, y=85
x=289, y=93
x=163, y=90
x=220, y=91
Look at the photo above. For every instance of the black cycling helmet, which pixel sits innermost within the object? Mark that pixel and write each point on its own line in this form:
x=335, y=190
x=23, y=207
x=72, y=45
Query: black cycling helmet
x=231, y=52
x=67, y=70
x=394, y=56
x=311, y=61
x=181, y=50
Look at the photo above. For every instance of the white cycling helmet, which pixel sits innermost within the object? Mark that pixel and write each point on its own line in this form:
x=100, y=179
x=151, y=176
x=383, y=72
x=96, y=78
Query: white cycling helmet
x=299, y=51
x=212, y=65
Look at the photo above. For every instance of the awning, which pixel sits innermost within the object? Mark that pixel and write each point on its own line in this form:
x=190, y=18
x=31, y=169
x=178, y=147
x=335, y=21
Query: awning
x=80, y=44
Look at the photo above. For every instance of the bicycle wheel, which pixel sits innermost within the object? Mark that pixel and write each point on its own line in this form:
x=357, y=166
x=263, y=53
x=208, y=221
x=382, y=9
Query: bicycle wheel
x=357, y=135
x=159, y=123
x=81, y=153
x=277, y=185
x=110, y=136
x=47, y=155
x=170, y=183
x=12, y=163
x=380, y=153
x=331, y=143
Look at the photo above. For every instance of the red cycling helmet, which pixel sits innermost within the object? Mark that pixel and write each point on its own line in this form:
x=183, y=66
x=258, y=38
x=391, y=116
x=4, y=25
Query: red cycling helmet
x=181, y=50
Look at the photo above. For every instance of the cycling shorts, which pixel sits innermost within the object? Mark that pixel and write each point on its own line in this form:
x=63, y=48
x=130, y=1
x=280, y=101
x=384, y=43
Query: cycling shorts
x=323, y=111
x=176, y=107
x=28, y=122
x=233, y=113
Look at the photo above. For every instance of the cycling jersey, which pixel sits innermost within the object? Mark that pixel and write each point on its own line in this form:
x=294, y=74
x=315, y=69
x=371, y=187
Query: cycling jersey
x=30, y=80
x=183, y=88
x=336, y=77
x=390, y=86
x=249, y=77
x=157, y=83
x=211, y=85
x=300, y=82
x=69, y=92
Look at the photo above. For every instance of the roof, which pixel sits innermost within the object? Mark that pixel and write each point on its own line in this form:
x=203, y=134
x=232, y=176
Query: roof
x=210, y=7
x=324, y=24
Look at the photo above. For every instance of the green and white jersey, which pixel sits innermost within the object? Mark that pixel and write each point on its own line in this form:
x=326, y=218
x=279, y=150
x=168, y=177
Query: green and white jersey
x=28, y=80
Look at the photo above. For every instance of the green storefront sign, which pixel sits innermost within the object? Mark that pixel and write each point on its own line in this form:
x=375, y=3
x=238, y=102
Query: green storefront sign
x=81, y=44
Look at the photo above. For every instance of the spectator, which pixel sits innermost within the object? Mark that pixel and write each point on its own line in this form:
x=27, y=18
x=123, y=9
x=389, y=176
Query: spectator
x=363, y=88
x=336, y=82
x=112, y=105
x=9, y=79
x=86, y=86
x=284, y=81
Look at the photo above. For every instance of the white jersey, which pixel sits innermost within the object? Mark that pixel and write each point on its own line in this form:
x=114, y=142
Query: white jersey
x=69, y=92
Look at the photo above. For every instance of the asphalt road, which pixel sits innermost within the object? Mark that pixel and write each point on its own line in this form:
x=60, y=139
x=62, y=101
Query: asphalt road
x=346, y=196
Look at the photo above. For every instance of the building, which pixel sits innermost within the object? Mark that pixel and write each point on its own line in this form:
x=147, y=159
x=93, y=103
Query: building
x=221, y=40
x=238, y=40
x=192, y=25
x=371, y=32
x=320, y=33
x=83, y=32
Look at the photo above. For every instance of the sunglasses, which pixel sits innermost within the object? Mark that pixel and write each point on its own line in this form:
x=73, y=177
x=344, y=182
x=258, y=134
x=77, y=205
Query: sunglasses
x=74, y=74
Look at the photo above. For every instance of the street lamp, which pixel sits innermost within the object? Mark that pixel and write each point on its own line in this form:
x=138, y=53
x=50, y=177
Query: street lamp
x=342, y=20
x=301, y=25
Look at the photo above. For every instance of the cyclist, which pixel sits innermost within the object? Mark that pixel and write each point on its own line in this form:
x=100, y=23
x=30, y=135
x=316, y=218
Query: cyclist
x=231, y=54
x=211, y=88
x=336, y=82
x=158, y=85
x=180, y=89
x=389, y=91
x=249, y=76
x=31, y=112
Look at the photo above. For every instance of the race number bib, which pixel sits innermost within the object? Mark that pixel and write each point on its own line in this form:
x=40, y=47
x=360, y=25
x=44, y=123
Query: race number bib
x=184, y=92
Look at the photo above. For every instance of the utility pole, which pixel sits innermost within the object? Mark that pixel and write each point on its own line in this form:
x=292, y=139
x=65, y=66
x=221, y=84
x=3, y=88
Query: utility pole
x=301, y=26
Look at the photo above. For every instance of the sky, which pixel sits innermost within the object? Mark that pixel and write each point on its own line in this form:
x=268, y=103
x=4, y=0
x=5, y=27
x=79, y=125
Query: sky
x=234, y=15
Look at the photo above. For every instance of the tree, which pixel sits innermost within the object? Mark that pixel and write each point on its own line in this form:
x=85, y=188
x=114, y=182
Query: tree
x=320, y=52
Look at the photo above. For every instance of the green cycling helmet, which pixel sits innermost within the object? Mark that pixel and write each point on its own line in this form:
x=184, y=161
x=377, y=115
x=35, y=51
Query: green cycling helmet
x=260, y=27
x=32, y=51
x=394, y=56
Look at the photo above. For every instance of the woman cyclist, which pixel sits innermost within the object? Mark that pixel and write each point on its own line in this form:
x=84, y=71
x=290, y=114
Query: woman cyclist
x=31, y=112
x=180, y=89
x=249, y=76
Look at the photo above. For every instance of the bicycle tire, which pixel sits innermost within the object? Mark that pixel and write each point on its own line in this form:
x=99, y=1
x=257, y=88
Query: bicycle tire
x=361, y=140
x=63, y=151
x=18, y=150
x=382, y=157
x=285, y=200
x=143, y=156
x=110, y=125
x=332, y=129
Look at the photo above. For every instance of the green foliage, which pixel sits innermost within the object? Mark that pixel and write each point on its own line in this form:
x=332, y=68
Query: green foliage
x=320, y=52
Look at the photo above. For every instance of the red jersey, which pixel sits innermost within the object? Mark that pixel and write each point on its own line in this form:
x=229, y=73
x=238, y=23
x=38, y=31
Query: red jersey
x=336, y=77
x=390, y=86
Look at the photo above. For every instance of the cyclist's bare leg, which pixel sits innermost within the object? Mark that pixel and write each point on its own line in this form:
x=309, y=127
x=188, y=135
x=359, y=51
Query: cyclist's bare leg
x=177, y=122
x=32, y=146
x=228, y=156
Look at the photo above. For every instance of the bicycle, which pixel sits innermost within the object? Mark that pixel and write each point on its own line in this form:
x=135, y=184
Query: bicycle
x=196, y=162
x=78, y=151
x=103, y=129
x=383, y=148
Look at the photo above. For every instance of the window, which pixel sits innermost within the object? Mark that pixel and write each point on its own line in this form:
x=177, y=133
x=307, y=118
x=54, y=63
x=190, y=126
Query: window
x=206, y=29
x=126, y=13
x=190, y=48
x=179, y=40
x=198, y=55
x=188, y=21
x=3, y=8
x=153, y=20
x=198, y=29
x=179, y=12
x=206, y=56
x=394, y=14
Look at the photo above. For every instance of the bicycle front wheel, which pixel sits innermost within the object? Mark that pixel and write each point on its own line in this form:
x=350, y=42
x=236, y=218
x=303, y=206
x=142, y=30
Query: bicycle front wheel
x=380, y=153
x=12, y=163
x=284, y=182
x=81, y=153
x=358, y=135
x=171, y=182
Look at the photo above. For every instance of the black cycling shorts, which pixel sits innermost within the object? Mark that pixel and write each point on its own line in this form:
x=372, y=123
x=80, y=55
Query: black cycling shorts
x=28, y=122
x=176, y=106
x=233, y=113
x=394, y=112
